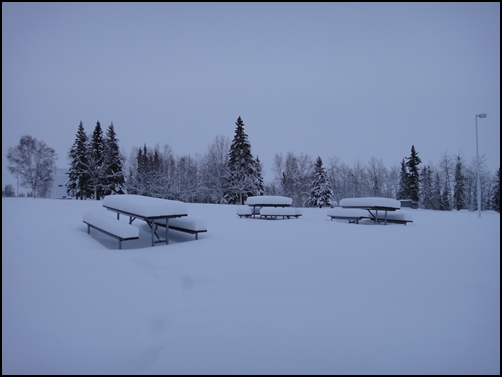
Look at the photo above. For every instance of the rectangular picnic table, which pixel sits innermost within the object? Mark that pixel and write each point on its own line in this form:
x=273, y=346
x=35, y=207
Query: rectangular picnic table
x=268, y=201
x=372, y=204
x=147, y=209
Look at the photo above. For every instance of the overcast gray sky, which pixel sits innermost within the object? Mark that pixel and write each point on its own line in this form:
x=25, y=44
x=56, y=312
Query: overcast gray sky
x=346, y=80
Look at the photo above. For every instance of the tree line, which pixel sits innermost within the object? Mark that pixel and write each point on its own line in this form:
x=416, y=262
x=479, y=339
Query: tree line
x=228, y=173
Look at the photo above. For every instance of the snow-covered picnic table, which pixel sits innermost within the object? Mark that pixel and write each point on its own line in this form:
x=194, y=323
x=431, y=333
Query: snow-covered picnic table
x=372, y=204
x=150, y=210
x=276, y=206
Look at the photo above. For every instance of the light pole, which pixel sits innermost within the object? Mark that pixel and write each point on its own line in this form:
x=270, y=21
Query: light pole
x=17, y=181
x=477, y=165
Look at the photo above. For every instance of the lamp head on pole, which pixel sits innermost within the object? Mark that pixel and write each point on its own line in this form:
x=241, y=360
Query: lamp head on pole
x=481, y=115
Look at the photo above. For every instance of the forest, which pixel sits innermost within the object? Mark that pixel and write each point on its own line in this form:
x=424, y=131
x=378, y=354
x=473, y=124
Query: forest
x=227, y=172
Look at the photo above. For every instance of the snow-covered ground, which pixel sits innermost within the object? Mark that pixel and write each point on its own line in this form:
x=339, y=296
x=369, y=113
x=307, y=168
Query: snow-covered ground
x=250, y=296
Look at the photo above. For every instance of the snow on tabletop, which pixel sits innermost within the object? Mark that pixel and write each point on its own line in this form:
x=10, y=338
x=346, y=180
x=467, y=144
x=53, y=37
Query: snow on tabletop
x=269, y=200
x=145, y=205
x=111, y=225
x=370, y=202
x=348, y=212
x=279, y=211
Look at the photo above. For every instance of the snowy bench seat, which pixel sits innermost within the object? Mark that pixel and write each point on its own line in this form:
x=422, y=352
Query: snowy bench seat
x=278, y=211
x=187, y=224
x=245, y=211
x=110, y=226
x=401, y=217
x=351, y=214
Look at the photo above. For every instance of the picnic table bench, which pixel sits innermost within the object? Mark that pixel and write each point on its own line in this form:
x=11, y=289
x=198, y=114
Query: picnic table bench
x=118, y=229
x=401, y=217
x=269, y=206
x=274, y=212
x=186, y=224
x=373, y=205
x=353, y=215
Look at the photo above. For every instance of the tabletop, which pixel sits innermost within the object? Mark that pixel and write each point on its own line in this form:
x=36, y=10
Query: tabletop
x=145, y=207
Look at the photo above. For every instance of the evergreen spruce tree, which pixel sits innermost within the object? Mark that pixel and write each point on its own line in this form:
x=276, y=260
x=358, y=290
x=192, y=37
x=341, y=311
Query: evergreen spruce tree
x=114, y=175
x=320, y=189
x=157, y=176
x=445, y=198
x=142, y=172
x=413, y=175
x=459, y=186
x=259, y=185
x=241, y=167
x=403, y=191
x=426, y=188
x=496, y=193
x=78, y=176
x=96, y=162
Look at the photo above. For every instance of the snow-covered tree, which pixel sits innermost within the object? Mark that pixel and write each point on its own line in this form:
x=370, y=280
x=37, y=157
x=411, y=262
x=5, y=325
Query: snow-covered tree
x=436, y=191
x=241, y=167
x=360, y=179
x=151, y=172
x=426, y=188
x=393, y=182
x=445, y=203
x=377, y=175
x=167, y=178
x=458, y=186
x=259, y=185
x=78, y=176
x=114, y=182
x=187, y=180
x=96, y=168
x=34, y=163
x=413, y=175
x=347, y=187
x=333, y=172
x=446, y=166
x=320, y=189
x=403, y=192
x=293, y=176
x=290, y=178
x=214, y=170
x=470, y=185
x=140, y=182
x=306, y=165
x=96, y=164
x=104, y=164
x=496, y=193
